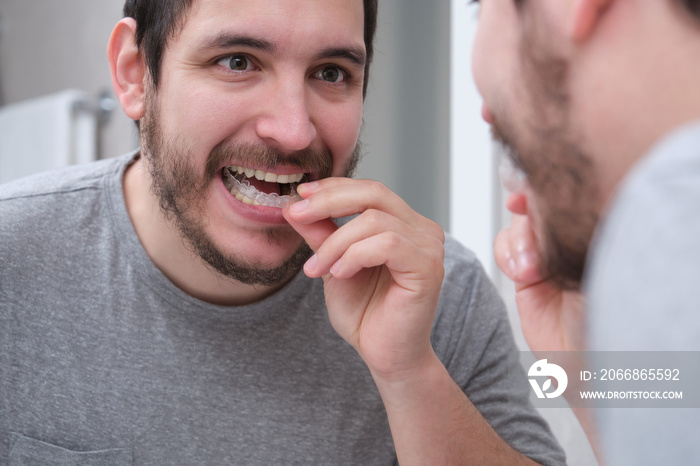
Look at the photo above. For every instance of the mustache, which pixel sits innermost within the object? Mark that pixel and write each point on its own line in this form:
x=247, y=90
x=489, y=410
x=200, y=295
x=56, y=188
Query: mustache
x=316, y=161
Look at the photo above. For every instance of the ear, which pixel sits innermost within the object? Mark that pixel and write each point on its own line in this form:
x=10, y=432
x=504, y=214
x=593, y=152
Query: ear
x=127, y=68
x=587, y=13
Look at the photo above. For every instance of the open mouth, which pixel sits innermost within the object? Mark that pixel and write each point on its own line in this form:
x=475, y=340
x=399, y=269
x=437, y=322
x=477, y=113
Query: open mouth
x=260, y=188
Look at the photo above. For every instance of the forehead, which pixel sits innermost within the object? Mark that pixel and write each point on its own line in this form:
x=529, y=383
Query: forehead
x=279, y=22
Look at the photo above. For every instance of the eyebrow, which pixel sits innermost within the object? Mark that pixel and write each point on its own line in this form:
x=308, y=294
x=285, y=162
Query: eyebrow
x=355, y=55
x=224, y=40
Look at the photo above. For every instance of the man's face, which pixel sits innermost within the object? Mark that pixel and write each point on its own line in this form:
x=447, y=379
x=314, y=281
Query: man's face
x=271, y=88
x=523, y=79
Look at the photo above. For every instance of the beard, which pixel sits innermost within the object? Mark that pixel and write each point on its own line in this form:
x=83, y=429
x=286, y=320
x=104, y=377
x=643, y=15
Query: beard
x=182, y=193
x=560, y=174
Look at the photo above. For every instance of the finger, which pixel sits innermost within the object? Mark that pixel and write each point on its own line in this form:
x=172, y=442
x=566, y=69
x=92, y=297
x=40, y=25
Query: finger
x=313, y=233
x=517, y=203
x=342, y=197
x=516, y=253
x=366, y=225
x=412, y=267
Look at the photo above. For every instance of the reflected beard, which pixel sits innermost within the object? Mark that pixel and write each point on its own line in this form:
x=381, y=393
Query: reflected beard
x=182, y=194
x=560, y=174
x=561, y=208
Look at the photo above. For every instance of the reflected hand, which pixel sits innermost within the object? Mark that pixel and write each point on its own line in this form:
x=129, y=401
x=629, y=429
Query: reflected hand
x=551, y=318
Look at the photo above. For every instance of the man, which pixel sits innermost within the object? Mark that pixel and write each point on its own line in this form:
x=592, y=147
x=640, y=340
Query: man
x=598, y=104
x=152, y=310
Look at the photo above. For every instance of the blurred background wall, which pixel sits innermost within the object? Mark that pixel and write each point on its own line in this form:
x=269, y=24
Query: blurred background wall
x=47, y=46
x=422, y=134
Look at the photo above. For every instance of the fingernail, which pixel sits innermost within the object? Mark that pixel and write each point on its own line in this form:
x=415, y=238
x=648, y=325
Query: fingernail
x=309, y=187
x=310, y=265
x=336, y=268
x=299, y=206
x=526, y=261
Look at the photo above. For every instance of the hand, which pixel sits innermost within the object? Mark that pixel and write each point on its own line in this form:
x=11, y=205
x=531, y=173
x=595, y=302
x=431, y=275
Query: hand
x=382, y=271
x=551, y=319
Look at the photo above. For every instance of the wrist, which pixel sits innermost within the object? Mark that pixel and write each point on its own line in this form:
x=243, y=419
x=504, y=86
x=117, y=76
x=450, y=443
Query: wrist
x=421, y=373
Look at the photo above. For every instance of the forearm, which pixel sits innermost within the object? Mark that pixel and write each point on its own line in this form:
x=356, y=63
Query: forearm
x=585, y=418
x=433, y=422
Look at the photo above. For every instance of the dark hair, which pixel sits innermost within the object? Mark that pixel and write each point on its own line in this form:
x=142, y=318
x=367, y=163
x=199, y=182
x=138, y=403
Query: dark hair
x=157, y=21
x=693, y=6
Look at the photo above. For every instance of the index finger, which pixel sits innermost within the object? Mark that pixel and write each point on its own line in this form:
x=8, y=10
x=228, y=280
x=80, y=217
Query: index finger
x=342, y=197
x=516, y=253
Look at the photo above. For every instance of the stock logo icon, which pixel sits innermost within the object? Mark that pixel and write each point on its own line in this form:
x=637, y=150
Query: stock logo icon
x=541, y=369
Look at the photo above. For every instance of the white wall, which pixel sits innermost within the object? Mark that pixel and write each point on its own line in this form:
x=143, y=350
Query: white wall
x=473, y=186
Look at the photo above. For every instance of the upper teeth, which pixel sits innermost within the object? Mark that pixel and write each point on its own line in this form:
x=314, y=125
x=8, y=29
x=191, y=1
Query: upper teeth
x=268, y=177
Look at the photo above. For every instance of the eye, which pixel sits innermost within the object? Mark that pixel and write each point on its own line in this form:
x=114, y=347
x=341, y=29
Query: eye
x=235, y=63
x=331, y=74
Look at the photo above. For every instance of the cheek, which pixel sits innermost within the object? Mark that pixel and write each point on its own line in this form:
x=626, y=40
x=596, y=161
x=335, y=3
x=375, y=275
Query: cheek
x=494, y=53
x=340, y=130
x=206, y=118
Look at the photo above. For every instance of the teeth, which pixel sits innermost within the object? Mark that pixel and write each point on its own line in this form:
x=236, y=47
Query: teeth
x=268, y=177
x=248, y=194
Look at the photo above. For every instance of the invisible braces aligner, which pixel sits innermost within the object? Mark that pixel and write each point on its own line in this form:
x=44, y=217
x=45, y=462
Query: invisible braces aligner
x=270, y=200
x=512, y=178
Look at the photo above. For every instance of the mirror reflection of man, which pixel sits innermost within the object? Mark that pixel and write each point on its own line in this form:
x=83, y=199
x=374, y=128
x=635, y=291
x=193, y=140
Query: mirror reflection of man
x=152, y=306
x=597, y=102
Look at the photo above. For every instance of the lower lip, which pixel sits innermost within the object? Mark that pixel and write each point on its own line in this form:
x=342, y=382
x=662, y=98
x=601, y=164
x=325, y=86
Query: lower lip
x=256, y=213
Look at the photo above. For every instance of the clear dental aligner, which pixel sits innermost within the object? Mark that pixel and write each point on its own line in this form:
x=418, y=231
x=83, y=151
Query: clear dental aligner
x=512, y=178
x=244, y=192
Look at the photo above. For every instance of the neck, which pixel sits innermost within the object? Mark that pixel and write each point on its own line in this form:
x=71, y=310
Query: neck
x=170, y=252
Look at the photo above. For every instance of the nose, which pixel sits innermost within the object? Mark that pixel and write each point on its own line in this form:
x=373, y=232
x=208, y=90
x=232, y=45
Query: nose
x=286, y=121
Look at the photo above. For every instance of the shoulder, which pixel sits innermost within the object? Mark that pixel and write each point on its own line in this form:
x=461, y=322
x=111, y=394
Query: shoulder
x=61, y=181
x=470, y=312
x=465, y=278
x=643, y=263
x=460, y=260
x=49, y=202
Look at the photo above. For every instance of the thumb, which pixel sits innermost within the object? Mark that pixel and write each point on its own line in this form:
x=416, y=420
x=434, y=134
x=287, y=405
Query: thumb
x=516, y=253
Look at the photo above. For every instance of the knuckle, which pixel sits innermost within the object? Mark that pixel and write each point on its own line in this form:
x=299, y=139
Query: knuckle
x=435, y=245
x=376, y=188
x=374, y=216
x=391, y=240
x=438, y=256
x=431, y=228
x=436, y=230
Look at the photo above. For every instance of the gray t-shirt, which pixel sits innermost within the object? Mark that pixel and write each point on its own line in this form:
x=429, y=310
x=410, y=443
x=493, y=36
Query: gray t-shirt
x=104, y=361
x=641, y=285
